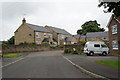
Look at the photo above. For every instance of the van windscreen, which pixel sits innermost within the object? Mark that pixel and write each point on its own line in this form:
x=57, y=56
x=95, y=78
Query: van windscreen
x=103, y=45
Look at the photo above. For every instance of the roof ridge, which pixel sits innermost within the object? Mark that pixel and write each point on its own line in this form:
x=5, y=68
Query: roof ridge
x=97, y=32
x=34, y=25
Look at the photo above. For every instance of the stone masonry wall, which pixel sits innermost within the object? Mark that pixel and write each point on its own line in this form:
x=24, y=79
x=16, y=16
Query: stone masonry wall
x=25, y=48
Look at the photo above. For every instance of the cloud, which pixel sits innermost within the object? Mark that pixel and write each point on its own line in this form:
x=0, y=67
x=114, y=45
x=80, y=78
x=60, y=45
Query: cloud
x=66, y=14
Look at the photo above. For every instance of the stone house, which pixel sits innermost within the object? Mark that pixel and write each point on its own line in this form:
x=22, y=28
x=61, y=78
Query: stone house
x=30, y=33
x=114, y=34
x=59, y=35
x=97, y=36
x=70, y=40
x=80, y=38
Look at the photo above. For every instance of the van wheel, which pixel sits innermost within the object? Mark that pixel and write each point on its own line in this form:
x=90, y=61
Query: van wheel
x=91, y=53
x=87, y=54
x=104, y=54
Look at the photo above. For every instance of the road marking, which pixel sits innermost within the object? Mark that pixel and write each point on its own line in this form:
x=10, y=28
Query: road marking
x=12, y=62
x=84, y=70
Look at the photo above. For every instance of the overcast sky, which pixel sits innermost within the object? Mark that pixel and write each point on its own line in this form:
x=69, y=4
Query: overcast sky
x=65, y=14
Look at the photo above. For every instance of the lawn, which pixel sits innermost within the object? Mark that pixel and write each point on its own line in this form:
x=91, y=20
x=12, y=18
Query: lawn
x=11, y=55
x=113, y=64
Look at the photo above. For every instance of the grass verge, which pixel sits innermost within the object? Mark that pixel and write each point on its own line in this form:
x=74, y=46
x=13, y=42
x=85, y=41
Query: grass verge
x=11, y=55
x=113, y=64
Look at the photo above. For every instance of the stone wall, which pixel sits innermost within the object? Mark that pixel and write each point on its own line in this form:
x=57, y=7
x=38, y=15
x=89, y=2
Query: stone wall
x=25, y=48
x=72, y=46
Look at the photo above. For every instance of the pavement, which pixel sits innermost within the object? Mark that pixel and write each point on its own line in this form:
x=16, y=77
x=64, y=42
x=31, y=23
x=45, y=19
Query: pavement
x=48, y=64
x=89, y=64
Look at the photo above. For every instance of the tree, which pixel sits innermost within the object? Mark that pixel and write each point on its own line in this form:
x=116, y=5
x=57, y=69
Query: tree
x=9, y=41
x=90, y=26
x=113, y=7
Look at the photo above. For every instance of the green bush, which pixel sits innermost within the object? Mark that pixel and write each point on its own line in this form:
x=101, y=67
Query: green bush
x=33, y=43
x=67, y=50
x=82, y=43
x=80, y=52
x=45, y=43
x=24, y=43
x=74, y=52
x=61, y=46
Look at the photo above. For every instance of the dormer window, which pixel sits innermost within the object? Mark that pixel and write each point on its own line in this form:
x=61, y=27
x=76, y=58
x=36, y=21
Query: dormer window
x=114, y=29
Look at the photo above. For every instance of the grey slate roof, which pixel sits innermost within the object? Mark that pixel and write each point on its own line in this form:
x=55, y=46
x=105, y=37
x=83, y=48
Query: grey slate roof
x=79, y=36
x=37, y=28
x=97, y=34
x=67, y=39
x=59, y=31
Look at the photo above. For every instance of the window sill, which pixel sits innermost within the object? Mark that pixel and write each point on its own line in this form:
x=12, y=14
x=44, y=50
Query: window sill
x=115, y=48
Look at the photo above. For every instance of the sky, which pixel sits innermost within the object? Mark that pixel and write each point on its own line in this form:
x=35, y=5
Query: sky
x=64, y=14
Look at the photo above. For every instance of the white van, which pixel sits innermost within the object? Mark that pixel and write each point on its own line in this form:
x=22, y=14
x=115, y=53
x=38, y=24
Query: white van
x=96, y=47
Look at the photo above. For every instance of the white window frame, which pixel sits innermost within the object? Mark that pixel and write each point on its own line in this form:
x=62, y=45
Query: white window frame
x=49, y=35
x=37, y=34
x=62, y=36
x=45, y=34
x=114, y=29
x=115, y=45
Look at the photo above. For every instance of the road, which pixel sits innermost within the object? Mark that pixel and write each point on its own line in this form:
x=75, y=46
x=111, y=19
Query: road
x=89, y=63
x=48, y=64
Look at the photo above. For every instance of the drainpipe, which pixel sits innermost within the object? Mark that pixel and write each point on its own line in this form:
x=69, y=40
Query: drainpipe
x=34, y=36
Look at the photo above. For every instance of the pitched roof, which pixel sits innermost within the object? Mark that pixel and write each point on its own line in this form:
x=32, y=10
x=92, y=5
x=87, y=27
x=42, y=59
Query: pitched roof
x=113, y=18
x=37, y=28
x=79, y=36
x=59, y=31
x=97, y=34
x=67, y=39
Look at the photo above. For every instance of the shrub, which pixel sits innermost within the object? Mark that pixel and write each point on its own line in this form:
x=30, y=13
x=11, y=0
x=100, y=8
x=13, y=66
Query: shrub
x=45, y=43
x=74, y=52
x=61, y=46
x=24, y=43
x=80, y=52
x=33, y=43
x=82, y=43
x=67, y=50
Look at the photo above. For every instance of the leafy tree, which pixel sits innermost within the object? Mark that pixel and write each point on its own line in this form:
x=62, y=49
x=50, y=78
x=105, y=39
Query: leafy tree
x=8, y=42
x=11, y=40
x=113, y=7
x=90, y=26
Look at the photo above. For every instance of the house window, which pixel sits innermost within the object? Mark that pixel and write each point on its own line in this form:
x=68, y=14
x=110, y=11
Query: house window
x=115, y=44
x=114, y=29
x=62, y=37
x=49, y=35
x=37, y=34
x=45, y=35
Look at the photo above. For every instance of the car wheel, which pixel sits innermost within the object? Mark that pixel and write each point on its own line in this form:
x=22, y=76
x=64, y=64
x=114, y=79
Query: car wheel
x=104, y=54
x=91, y=53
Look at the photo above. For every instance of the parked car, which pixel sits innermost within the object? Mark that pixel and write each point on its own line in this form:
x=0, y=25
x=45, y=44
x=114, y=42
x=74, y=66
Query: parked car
x=96, y=47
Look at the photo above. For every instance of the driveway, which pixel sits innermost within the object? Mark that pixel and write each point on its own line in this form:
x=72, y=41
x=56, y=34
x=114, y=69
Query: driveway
x=48, y=64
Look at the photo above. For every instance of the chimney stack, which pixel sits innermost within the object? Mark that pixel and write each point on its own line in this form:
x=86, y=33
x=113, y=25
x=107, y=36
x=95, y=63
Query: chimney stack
x=23, y=21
